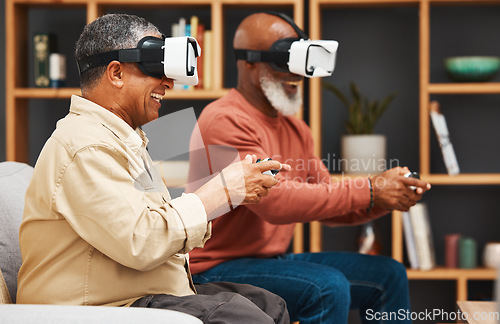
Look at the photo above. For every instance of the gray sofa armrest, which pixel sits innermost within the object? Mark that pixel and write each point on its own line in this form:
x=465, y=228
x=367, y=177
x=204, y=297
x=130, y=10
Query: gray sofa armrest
x=45, y=314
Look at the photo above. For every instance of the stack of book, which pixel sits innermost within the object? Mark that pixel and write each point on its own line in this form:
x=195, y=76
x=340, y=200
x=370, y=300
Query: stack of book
x=418, y=238
x=204, y=37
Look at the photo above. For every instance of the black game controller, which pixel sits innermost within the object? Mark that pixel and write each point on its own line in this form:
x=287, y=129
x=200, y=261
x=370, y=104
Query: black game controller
x=412, y=175
x=268, y=172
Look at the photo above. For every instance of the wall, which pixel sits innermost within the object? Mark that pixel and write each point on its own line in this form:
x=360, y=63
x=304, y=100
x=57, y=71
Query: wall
x=378, y=50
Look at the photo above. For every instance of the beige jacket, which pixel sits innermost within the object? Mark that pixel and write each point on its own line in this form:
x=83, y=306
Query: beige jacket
x=99, y=228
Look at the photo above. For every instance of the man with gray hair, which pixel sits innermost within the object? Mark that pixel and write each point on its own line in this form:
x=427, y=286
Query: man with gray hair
x=99, y=226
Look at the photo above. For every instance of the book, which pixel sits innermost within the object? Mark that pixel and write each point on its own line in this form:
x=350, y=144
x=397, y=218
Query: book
x=411, y=248
x=182, y=27
x=207, y=60
x=439, y=123
x=421, y=229
x=175, y=30
x=43, y=45
x=200, y=39
x=193, y=26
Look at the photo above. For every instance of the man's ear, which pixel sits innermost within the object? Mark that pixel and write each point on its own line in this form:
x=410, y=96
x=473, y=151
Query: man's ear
x=241, y=64
x=249, y=65
x=114, y=74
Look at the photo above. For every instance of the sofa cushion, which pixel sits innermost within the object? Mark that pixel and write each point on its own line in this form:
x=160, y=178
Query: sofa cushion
x=14, y=179
x=4, y=293
x=36, y=314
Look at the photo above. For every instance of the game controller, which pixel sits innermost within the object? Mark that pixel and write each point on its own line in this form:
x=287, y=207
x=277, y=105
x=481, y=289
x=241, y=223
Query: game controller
x=412, y=175
x=268, y=172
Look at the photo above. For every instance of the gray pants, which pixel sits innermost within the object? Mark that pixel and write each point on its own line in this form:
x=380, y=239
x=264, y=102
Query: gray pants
x=224, y=302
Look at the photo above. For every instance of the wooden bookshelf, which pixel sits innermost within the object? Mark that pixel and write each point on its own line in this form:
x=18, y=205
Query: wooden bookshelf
x=426, y=89
x=18, y=94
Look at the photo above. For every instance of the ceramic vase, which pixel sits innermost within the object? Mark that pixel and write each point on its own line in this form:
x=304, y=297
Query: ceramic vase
x=363, y=154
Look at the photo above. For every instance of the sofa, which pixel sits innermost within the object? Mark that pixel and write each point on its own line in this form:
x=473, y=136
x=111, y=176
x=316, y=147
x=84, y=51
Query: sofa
x=14, y=179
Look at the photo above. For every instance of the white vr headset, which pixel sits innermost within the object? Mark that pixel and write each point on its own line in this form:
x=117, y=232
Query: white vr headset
x=173, y=57
x=309, y=58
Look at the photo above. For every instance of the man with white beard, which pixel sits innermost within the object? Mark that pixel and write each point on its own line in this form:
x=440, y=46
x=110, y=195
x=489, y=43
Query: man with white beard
x=250, y=242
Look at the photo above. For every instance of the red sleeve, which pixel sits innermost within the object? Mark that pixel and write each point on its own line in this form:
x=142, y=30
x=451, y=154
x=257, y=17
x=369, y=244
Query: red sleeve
x=293, y=199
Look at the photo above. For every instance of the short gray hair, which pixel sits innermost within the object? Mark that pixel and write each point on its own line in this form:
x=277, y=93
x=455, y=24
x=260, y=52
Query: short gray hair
x=107, y=33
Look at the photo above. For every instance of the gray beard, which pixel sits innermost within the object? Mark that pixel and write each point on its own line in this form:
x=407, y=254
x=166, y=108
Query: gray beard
x=278, y=98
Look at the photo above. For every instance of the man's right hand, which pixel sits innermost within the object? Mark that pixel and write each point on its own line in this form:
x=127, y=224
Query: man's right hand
x=391, y=189
x=238, y=184
x=246, y=183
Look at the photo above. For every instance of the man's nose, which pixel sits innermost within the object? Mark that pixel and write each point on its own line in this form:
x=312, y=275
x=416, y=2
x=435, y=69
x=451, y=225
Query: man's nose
x=167, y=82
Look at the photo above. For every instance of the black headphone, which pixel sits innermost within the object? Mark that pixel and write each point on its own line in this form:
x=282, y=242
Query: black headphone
x=278, y=55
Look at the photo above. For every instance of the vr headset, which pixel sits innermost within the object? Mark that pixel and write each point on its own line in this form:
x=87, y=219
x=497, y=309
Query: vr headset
x=173, y=57
x=309, y=58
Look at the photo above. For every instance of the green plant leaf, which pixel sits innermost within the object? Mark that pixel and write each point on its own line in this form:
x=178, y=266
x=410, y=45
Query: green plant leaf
x=358, y=118
x=337, y=92
x=371, y=118
x=356, y=94
x=363, y=114
x=348, y=128
x=384, y=104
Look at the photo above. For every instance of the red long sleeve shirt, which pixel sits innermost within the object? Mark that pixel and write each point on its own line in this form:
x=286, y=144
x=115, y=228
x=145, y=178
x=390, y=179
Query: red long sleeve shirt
x=304, y=194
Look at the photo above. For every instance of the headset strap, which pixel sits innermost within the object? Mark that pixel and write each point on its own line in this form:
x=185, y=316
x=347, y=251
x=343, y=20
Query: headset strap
x=129, y=55
x=270, y=56
x=261, y=56
x=290, y=21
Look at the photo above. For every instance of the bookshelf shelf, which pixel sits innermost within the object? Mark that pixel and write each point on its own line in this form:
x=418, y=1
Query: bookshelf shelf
x=441, y=273
x=463, y=179
x=441, y=179
x=64, y=93
x=363, y=3
x=464, y=88
x=461, y=276
x=45, y=93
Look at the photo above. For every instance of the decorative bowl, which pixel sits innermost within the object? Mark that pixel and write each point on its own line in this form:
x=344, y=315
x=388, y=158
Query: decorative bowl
x=472, y=68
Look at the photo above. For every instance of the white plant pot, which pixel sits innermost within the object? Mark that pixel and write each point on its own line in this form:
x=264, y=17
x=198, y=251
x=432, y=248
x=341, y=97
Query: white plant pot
x=363, y=154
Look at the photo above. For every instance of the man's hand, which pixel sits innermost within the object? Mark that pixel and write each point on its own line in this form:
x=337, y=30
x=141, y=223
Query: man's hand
x=246, y=183
x=391, y=189
x=238, y=184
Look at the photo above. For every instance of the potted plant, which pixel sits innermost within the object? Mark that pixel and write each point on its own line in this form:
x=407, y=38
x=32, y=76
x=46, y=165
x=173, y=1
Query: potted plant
x=362, y=151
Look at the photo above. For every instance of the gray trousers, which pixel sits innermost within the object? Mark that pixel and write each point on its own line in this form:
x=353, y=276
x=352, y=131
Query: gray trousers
x=224, y=302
